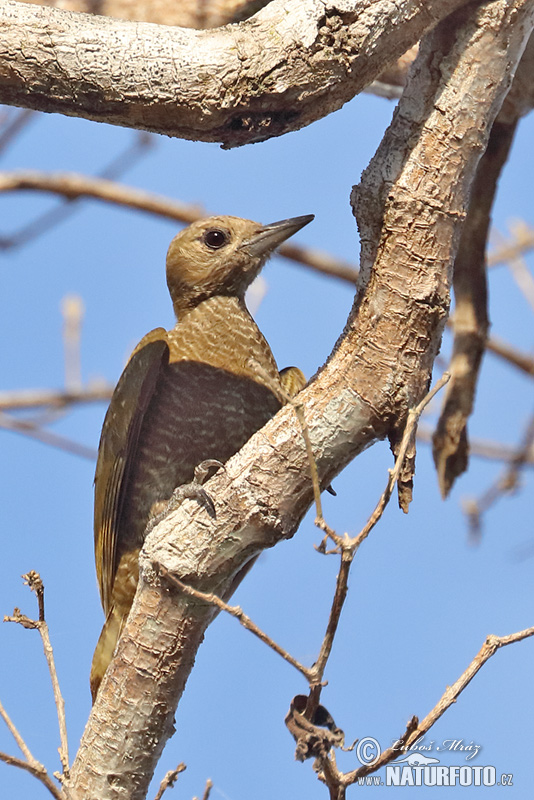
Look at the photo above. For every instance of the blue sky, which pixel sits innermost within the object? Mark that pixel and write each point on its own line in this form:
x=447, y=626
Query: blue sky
x=422, y=598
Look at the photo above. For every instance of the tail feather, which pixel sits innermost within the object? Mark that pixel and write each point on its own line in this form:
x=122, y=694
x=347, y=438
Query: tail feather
x=105, y=648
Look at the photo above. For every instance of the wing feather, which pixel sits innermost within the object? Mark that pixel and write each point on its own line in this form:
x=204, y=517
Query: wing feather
x=118, y=443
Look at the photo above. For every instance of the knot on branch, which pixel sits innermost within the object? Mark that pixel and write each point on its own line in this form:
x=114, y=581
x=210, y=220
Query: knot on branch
x=314, y=738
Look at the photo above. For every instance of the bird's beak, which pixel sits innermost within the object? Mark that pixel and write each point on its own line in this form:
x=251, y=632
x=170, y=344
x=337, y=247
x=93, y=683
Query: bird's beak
x=270, y=236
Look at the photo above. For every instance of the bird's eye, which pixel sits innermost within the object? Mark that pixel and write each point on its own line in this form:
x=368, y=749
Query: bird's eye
x=215, y=238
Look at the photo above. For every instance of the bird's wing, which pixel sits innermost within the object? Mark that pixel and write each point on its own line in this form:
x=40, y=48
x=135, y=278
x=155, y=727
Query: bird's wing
x=118, y=443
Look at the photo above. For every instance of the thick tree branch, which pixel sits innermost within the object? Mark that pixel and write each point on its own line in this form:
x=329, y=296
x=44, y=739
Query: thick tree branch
x=410, y=207
x=292, y=63
x=470, y=320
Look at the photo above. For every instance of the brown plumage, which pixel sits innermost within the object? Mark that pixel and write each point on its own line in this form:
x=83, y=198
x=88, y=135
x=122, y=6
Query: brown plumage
x=196, y=392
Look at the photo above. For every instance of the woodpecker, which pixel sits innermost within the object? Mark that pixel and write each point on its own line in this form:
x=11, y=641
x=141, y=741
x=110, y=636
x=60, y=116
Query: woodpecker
x=188, y=395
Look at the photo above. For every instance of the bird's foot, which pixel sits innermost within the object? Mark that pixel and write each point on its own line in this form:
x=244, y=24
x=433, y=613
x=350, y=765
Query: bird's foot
x=202, y=470
x=190, y=491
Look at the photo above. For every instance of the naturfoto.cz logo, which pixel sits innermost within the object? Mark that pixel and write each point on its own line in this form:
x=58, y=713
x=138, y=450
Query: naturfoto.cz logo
x=419, y=769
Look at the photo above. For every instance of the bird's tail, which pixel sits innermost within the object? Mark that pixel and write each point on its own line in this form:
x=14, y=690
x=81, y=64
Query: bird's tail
x=105, y=648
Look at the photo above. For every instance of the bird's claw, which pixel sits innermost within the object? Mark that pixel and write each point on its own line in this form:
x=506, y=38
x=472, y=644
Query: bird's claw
x=202, y=470
x=194, y=490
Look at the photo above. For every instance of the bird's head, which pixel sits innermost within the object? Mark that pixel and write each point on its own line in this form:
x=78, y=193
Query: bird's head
x=222, y=256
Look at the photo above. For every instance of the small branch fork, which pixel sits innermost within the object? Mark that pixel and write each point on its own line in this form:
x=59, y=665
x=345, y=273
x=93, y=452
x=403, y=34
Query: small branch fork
x=338, y=781
x=169, y=780
x=30, y=764
x=506, y=483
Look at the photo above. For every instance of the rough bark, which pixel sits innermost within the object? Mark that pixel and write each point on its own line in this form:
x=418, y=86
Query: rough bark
x=294, y=62
x=470, y=321
x=410, y=208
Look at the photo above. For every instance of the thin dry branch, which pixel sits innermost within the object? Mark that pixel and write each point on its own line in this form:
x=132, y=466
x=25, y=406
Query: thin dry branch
x=406, y=443
x=239, y=614
x=292, y=63
x=27, y=428
x=74, y=186
x=25, y=399
x=37, y=770
x=33, y=580
x=17, y=121
x=415, y=729
x=207, y=790
x=72, y=309
x=169, y=780
x=506, y=483
x=521, y=243
x=515, y=357
x=30, y=764
x=523, y=278
x=44, y=222
x=482, y=448
x=349, y=547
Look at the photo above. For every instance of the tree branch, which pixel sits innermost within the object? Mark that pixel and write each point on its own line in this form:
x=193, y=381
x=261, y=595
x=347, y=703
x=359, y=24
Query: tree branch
x=294, y=62
x=415, y=729
x=410, y=208
x=74, y=186
x=470, y=321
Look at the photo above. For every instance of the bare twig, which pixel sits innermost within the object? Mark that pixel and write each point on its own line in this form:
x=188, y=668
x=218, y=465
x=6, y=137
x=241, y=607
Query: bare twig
x=415, y=729
x=407, y=440
x=47, y=437
x=521, y=243
x=506, y=483
x=72, y=310
x=239, y=614
x=338, y=601
x=36, y=769
x=16, y=735
x=482, y=448
x=54, y=216
x=33, y=580
x=523, y=278
x=74, y=186
x=31, y=764
x=14, y=125
x=207, y=790
x=488, y=649
x=508, y=353
x=169, y=780
x=349, y=547
x=52, y=398
x=289, y=399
